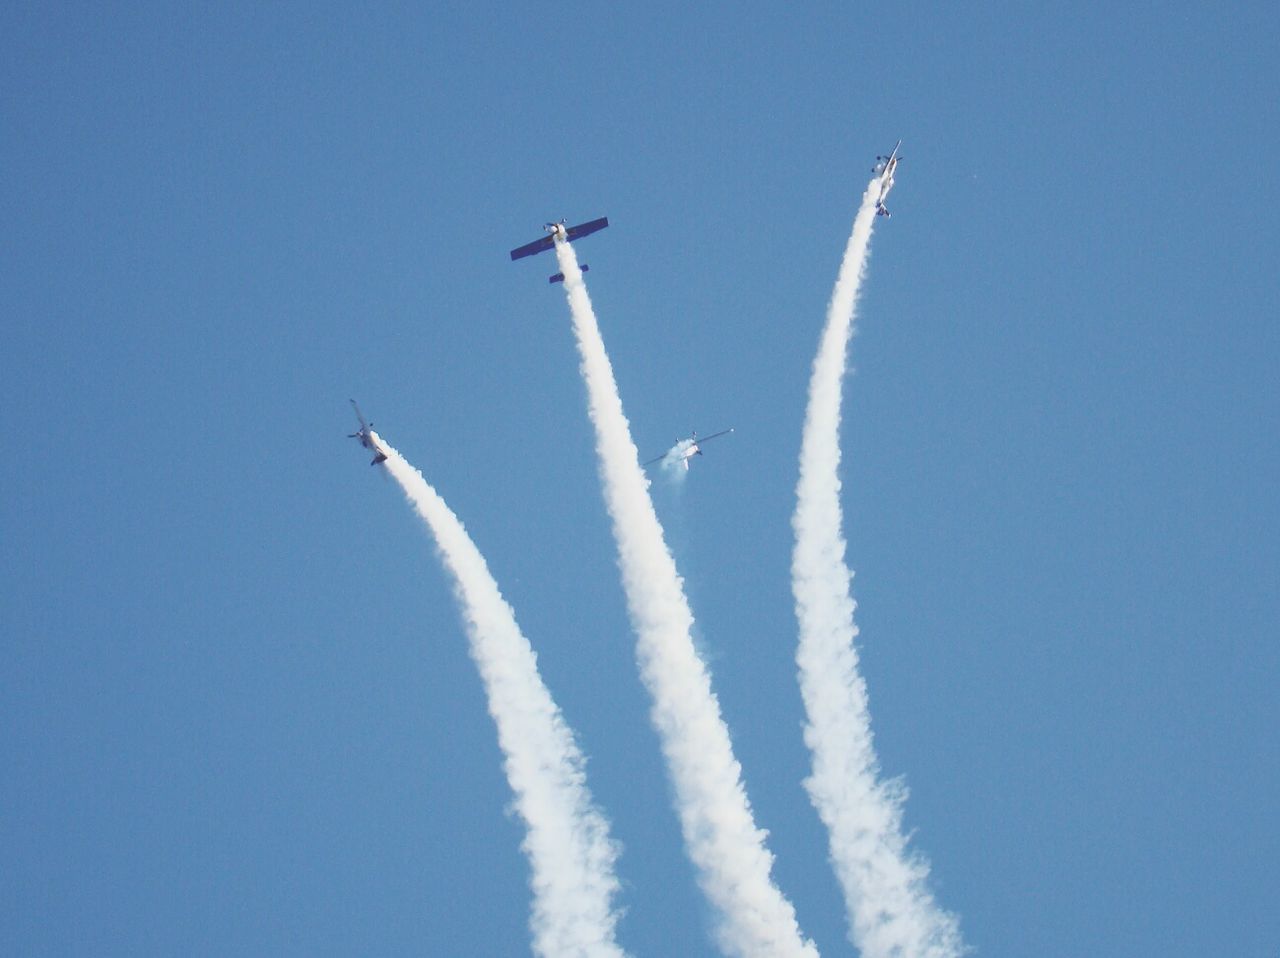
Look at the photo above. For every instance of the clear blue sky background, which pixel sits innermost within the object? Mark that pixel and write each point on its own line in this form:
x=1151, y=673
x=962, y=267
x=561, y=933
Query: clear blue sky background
x=238, y=714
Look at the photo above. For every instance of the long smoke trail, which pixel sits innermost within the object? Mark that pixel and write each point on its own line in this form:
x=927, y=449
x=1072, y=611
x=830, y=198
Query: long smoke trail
x=727, y=849
x=891, y=911
x=567, y=841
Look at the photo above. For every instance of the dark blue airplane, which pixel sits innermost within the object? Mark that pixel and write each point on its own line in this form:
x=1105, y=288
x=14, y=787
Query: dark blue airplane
x=558, y=231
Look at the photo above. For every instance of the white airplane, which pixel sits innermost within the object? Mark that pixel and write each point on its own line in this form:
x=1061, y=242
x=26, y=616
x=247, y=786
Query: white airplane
x=365, y=437
x=686, y=449
x=885, y=167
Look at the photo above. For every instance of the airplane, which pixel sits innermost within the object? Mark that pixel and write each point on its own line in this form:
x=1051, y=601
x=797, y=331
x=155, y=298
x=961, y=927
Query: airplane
x=365, y=437
x=885, y=167
x=686, y=449
x=559, y=233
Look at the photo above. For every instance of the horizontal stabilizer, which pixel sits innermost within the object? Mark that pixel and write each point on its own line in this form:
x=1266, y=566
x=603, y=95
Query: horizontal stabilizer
x=559, y=277
x=380, y=457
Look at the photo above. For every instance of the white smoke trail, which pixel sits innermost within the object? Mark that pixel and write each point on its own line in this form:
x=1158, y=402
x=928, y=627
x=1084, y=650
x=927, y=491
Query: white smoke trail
x=567, y=841
x=755, y=920
x=891, y=911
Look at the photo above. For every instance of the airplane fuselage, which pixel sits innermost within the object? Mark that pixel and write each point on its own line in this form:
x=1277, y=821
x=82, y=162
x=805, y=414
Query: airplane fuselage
x=890, y=165
x=886, y=184
x=366, y=440
x=687, y=452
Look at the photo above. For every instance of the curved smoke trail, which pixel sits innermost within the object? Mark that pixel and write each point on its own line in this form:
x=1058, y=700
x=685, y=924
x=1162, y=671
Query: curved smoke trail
x=727, y=848
x=891, y=911
x=567, y=841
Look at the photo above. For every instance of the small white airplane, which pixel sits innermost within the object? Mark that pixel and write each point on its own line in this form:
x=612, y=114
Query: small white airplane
x=885, y=167
x=366, y=438
x=686, y=449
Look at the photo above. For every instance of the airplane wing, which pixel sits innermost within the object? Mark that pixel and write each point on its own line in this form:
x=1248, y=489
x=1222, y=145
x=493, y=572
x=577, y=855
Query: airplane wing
x=358, y=416
x=537, y=246
x=547, y=242
x=586, y=229
x=722, y=432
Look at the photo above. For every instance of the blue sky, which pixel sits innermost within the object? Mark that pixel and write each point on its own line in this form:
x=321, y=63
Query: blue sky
x=239, y=717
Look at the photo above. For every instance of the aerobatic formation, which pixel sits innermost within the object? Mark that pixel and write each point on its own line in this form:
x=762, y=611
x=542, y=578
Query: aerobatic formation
x=889, y=909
